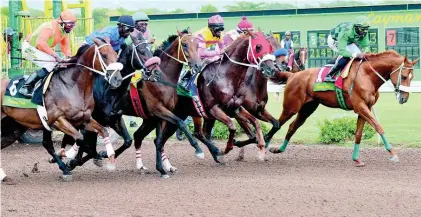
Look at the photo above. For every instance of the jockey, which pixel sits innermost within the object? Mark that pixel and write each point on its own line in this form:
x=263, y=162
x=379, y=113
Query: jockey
x=39, y=46
x=348, y=40
x=288, y=44
x=211, y=45
x=280, y=56
x=116, y=34
x=242, y=27
x=141, y=24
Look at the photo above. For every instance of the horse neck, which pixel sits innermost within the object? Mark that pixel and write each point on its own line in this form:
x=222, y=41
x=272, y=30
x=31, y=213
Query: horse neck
x=171, y=66
x=83, y=76
x=126, y=59
x=239, y=55
x=383, y=67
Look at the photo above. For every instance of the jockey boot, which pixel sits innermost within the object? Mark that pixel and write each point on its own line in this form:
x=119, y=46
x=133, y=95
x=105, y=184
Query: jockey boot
x=340, y=64
x=28, y=88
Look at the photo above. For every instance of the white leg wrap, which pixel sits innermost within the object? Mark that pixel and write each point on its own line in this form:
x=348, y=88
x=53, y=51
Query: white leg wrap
x=108, y=147
x=166, y=162
x=2, y=174
x=139, y=162
x=71, y=153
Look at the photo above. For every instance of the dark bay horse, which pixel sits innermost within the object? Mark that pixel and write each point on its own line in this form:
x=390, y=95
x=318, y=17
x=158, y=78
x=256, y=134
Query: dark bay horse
x=109, y=102
x=300, y=100
x=160, y=97
x=257, y=96
x=69, y=98
x=220, y=83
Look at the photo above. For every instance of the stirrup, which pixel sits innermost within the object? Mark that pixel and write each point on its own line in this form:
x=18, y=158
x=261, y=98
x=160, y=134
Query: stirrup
x=28, y=92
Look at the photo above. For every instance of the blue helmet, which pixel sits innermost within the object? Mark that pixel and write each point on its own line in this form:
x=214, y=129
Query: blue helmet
x=126, y=20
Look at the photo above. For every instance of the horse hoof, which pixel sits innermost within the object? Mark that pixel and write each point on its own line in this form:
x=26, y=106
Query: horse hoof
x=143, y=170
x=52, y=161
x=173, y=170
x=275, y=150
x=67, y=178
x=359, y=163
x=394, y=159
x=261, y=155
x=98, y=162
x=165, y=176
x=111, y=167
x=200, y=155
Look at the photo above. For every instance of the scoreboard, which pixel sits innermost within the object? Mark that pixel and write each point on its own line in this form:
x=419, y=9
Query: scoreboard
x=319, y=51
x=296, y=38
x=405, y=41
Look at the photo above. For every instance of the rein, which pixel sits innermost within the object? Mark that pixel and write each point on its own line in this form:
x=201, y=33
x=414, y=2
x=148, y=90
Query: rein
x=178, y=52
x=134, y=51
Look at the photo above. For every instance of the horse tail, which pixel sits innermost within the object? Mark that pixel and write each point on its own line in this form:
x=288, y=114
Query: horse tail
x=281, y=77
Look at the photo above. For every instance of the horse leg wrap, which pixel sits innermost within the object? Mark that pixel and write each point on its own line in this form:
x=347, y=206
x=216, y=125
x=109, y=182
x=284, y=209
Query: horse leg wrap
x=71, y=153
x=139, y=162
x=356, y=153
x=109, y=147
x=165, y=162
x=386, y=143
x=2, y=174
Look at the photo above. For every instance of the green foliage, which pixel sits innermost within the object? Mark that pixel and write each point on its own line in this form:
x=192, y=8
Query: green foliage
x=209, y=8
x=341, y=129
x=101, y=18
x=220, y=130
x=177, y=11
x=245, y=6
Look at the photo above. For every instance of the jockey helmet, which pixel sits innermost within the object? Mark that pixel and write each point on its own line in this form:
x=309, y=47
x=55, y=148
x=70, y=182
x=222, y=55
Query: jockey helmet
x=216, y=23
x=244, y=25
x=67, y=20
x=126, y=20
x=362, y=24
x=288, y=33
x=140, y=16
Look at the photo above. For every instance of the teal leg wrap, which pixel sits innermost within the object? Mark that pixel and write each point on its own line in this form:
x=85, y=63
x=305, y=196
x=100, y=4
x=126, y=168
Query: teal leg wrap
x=267, y=144
x=386, y=143
x=284, y=146
x=356, y=153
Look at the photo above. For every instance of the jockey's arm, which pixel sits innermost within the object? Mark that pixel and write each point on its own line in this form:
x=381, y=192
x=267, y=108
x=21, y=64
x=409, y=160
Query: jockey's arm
x=342, y=43
x=42, y=41
x=65, y=47
x=203, y=51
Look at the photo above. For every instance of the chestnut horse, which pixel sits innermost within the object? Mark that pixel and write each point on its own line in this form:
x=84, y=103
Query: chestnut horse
x=69, y=98
x=366, y=78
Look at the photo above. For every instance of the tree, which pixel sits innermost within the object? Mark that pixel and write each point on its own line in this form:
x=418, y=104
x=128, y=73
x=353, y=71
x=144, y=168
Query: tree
x=245, y=6
x=209, y=8
x=177, y=11
x=100, y=16
x=278, y=6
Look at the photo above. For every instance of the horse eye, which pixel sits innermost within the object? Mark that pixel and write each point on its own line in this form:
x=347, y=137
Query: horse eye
x=404, y=77
x=103, y=56
x=258, y=48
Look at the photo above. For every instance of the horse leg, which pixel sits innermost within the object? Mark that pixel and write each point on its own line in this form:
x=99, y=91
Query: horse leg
x=364, y=111
x=147, y=126
x=306, y=110
x=89, y=147
x=207, y=128
x=167, y=115
x=63, y=125
x=358, y=135
x=198, y=133
x=92, y=125
x=67, y=140
x=267, y=117
x=221, y=116
x=159, y=149
x=120, y=128
x=252, y=138
x=48, y=145
x=246, y=116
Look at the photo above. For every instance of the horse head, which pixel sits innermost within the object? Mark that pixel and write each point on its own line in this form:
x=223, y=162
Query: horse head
x=300, y=59
x=141, y=56
x=103, y=59
x=402, y=78
x=260, y=52
x=187, y=50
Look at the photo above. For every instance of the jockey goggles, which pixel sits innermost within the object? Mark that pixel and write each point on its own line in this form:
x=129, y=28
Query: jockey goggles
x=128, y=29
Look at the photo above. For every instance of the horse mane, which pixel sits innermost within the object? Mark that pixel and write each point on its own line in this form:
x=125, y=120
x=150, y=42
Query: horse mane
x=391, y=53
x=167, y=43
x=233, y=46
x=82, y=50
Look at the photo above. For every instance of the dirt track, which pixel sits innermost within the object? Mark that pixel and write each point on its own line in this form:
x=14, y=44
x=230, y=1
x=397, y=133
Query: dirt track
x=304, y=181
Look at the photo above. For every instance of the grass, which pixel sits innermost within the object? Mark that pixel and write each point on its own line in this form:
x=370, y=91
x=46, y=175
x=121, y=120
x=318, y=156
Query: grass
x=402, y=123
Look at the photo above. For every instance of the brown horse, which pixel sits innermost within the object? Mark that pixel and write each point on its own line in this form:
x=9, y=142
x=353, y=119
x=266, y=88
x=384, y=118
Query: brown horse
x=257, y=97
x=366, y=79
x=220, y=87
x=69, y=98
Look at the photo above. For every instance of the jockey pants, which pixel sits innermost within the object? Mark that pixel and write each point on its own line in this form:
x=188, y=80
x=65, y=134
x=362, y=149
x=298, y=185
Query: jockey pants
x=31, y=53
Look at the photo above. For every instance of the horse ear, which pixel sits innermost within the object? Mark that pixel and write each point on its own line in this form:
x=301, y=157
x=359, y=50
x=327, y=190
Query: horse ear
x=107, y=39
x=188, y=30
x=406, y=58
x=415, y=61
x=97, y=42
x=260, y=30
x=271, y=33
x=179, y=32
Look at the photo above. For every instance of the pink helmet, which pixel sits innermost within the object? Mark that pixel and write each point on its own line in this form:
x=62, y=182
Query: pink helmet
x=244, y=24
x=216, y=20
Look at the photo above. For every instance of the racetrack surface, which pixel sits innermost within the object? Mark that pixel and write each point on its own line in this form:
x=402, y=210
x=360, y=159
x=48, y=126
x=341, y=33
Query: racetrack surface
x=304, y=181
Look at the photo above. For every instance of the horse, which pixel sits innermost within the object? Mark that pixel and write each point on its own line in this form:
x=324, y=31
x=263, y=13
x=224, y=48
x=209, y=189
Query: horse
x=219, y=85
x=159, y=97
x=257, y=97
x=69, y=98
x=360, y=93
x=109, y=102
